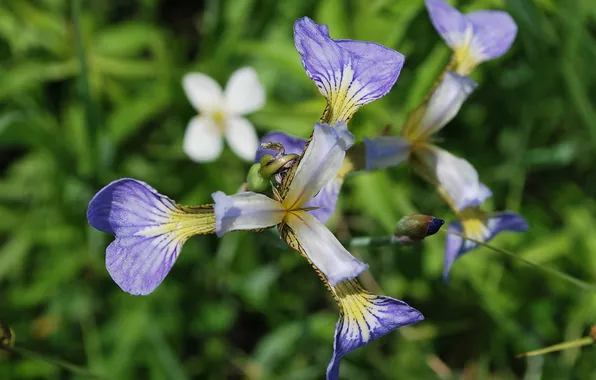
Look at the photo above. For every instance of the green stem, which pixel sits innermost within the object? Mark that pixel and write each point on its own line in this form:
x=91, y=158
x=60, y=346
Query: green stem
x=371, y=241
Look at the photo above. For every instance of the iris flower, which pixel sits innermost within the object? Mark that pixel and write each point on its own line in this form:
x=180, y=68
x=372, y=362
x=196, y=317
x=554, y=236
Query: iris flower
x=221, y=114
x=363, y=316
x=475, y=37
x=454, y=177
x=150, y=230
x=348, y=73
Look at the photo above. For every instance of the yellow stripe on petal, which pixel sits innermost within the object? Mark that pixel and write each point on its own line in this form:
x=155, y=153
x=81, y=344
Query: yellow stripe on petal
x=194, y=220
x=342, y=99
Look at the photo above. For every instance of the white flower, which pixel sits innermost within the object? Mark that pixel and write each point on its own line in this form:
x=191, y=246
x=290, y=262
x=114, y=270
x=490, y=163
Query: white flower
x=220, y=114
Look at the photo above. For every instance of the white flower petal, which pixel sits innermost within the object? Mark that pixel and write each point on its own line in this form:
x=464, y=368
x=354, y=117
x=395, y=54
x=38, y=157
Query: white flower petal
x=445, y=102
x=456, y=176
x=319, y=165
x=244, y=92
x=203, y=92
x=323, y=248
x=202, y=140
x=245, y=211
x=242, y=137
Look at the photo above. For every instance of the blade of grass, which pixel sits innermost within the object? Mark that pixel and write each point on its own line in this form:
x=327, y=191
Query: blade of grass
x=585, y=341
x=91, y=113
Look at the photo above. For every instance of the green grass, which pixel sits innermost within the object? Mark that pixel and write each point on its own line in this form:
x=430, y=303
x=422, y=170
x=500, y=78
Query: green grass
x=245, y=306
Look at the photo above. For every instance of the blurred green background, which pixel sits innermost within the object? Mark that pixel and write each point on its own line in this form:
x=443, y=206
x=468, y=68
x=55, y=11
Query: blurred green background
x=245, y=306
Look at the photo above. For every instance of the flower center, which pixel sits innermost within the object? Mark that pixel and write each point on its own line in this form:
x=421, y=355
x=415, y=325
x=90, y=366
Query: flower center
x=219, y=118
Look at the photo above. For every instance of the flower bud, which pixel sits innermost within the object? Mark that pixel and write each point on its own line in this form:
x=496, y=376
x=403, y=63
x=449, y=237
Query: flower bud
x=416, y=227
x=255, y=181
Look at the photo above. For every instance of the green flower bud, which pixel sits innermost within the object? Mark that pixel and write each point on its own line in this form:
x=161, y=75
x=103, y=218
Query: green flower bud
x=417, y=227
x=255, y=181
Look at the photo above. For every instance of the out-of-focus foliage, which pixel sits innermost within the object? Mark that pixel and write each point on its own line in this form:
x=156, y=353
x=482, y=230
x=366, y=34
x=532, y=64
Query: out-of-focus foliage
x=245, y=306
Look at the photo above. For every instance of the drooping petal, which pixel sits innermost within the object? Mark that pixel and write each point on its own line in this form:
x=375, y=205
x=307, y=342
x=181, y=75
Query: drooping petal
x=326, y=200
x=292, y=144
x=245, y=211
x=150, y=230
x=477, y=225
x=202, y=139
x=386, y=151
x=244, y=92
x=242, y=137
x=365, y=317
x=444, y=103
x=307, y=235
x=321, y=161
x=348, y=73
x=203, y=92
x=455, y=176
x=494, y=33
x=476, y=37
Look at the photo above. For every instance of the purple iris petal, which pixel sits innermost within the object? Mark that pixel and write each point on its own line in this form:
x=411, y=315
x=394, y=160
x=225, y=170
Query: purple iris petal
x=364, y=71
x=494, y=33
x=448, y=21
x=326, y=200
x=366, y=317
x=495, y=223
x=146, y=244
x=489, y=34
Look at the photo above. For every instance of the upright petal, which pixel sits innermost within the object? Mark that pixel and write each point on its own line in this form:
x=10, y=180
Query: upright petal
x=150, y=230
x=365, y=317
x=444, y=103
x=203, y=92
x=386, y=151
x=244, y=92
x=245, y=211
x=311, y=238
x=292, y=144
x=479, y=226
x=494, y=33
x=202, y=139
x=453, y=26
x=320, y=163
x=242, y=137
x=455, y=176
x=348, y=73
